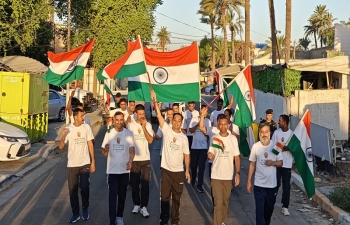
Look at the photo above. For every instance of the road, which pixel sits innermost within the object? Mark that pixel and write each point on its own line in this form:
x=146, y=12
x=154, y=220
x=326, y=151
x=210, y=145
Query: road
x=41, y=197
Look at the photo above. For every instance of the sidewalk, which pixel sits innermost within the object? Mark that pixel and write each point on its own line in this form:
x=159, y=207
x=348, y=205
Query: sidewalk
x=40, y=152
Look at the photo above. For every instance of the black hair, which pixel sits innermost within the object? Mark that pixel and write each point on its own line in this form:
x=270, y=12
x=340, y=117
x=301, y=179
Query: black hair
x=220, y=116
x=203, y=106
x=220, y=100
x=139, y=107
x=261, y=125
x=79, y=104
x=285, y=118
x=192, y=102
x=176, y=104
x=229, y=111
x=182, y=117
x=77, y=111
x=118, y=95
x=131, y=101
x=118, y=113
x=123, y=100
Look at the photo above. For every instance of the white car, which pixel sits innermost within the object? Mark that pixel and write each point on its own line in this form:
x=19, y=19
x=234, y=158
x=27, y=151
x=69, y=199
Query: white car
x=210, y=89
x=14, y=143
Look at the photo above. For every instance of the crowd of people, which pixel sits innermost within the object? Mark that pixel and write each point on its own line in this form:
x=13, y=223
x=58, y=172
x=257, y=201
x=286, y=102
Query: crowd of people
x=189, y=140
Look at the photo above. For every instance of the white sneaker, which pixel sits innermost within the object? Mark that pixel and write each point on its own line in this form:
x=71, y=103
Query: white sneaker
x=120, y=221
x=285, y=211
x=136, y=209
x=144, y=212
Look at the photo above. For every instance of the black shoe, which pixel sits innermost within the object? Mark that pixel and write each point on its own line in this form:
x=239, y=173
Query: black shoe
x=162, y=223
x=200, y=189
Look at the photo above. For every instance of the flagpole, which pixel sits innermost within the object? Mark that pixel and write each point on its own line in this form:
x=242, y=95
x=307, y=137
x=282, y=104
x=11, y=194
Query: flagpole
x=68, y=49
x=149, y=79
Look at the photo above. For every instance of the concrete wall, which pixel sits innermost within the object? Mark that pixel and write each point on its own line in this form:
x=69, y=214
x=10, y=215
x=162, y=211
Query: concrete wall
x=88, y=79
x=342, y=38
x=320, y=52
x=329, y=108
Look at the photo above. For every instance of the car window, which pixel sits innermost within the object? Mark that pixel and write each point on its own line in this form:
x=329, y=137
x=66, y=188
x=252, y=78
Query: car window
x=53, y=96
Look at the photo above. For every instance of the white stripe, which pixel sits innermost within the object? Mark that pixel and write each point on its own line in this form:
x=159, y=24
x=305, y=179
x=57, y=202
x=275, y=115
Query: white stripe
x=61, y=67
x=176, y=74
x=244, y=87
x=135, y=57
x=301, y=133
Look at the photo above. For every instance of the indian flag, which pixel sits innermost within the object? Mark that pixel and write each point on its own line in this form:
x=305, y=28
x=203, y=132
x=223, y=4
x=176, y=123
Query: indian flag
x=221, y=84
x=242, y=91
x=68, y=66
x=278, y=148
x=300, y=147
x=218, y=143
x=108, y=96
x=129, y=65
x=174, y=76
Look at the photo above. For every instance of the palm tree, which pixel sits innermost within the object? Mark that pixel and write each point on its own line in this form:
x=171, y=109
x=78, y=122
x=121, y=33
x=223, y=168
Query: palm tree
x=220, y=51
x=205, y=56
x=209, y=15
x=247, y=30
x=304, y=43
x=273, y=31
x=235, y=27
x=311, y=29
x=288, y=28
x=163, y=37
x=281, y=44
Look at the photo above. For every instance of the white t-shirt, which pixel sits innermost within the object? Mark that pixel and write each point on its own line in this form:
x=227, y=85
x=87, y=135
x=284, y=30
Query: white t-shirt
x=188, y=115
x=283, y=137
x=141, y=144
x=160, y=134
x=235, y=128
x=86, y=120
x=265, y=176
x=119, y=146
x=199, y=139
x=222, y=168
x=78, y=151
x=214, y=115
x=174, y=146
x=211, y=132
x=125, y=112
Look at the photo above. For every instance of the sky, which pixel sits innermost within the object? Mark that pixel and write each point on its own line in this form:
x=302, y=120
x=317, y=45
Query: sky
x=185, y=11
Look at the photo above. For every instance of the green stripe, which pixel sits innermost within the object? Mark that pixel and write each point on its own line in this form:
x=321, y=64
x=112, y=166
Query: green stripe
x=243, y=143
x=246, y=117
x=100, y=76
x=302, y=165
x=216, y=146
x=139, y=91
x=131, y=70
x=276, y=152
x=57, y=79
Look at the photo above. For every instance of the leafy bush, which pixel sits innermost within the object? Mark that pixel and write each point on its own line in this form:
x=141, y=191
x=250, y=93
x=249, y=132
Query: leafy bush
x=340, y=197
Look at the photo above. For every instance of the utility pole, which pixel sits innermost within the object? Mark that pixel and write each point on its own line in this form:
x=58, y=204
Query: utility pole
x=68, y=49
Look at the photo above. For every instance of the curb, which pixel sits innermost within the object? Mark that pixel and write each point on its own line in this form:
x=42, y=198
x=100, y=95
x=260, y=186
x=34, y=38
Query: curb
x=337, y=213
x=6, y=181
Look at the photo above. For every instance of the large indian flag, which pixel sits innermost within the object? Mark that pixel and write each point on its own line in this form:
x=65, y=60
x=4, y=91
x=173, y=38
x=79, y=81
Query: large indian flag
x=242, y=90
x=108, y=96
x=174, y=76
x=129, y=65
x=221, y=84
x=68, y=66
x=300, y=147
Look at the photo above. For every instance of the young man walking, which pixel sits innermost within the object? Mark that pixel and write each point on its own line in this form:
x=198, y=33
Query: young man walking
x=81, y=162
x=174, y=151
x=263, y=162
x=141, y=165
x=269, y=121
x=223, y=151
x=187, y=117
x=282, y=135
x=159, y=134
x=219, y=110
x=118, y=146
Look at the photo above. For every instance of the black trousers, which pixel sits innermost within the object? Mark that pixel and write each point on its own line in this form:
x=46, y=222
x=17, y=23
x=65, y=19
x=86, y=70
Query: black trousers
x=79, y=177
x=198, y=159
x=284, y=174
x=140, y=174
x=117, y=186
x=264, y=204
x=211, y=189
x=190, y=139
x=172, y=184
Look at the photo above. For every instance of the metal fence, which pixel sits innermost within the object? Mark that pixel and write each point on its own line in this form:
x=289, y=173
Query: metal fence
x=321, y=139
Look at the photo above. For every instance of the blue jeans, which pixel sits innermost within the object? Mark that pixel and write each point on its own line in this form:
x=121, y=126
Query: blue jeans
x=264, y=204
x=285, y=174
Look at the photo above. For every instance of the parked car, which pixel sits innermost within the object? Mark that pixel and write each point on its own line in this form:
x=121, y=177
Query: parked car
x=57, y=106
x=210, y=89
x=14, y=143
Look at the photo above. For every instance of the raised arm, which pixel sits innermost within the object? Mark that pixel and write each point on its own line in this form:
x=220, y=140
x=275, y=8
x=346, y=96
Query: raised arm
x=69, y=104
x=229, y=106
x=159, y=115
x=104, y=107
x=201, y=125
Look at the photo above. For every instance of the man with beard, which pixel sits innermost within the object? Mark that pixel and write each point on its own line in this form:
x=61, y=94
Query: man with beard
x=174, y=150
x=265, y=162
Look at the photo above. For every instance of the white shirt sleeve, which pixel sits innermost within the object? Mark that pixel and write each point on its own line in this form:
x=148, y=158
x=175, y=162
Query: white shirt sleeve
x=185, y=148
x=105, y=140
x=90, y=135
x=130, y=139
x=252, y=156
x=149, y=129
x=235, y=128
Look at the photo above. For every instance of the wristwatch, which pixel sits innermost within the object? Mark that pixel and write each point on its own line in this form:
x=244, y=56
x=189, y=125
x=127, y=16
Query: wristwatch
x=239, y=173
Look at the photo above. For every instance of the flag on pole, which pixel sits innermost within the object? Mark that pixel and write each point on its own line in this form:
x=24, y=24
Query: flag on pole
x=68, y=66
x=242, y=91
x=300, y=147
x=108, y=96
x=221, y=85
x=129, y=65
x=174, y=76
x=278, y=148
x=218, y=143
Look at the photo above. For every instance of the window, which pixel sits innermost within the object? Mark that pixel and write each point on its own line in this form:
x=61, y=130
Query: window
x=53, y=96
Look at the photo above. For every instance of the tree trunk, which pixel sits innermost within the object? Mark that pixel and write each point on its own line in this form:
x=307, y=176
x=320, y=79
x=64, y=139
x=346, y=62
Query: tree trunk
x=233, y=46
x=247, y=31
x=288, y=28
x=213, y=62
x=223, y=20
x=315, y=38
x=273, y=31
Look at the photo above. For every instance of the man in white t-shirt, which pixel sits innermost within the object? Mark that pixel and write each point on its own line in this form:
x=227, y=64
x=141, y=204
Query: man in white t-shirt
x=175, y=150
x=141, y=165
x=187, y=117
x=159, y=134
x=118, y=146
x=223, y=151
x=263, y=162
x=282, y=135
x=199, y=151
x=219, y=110
x=81, y=162
x=79, y=106
x=123, y=108
x=231, y=126
x=131, y=111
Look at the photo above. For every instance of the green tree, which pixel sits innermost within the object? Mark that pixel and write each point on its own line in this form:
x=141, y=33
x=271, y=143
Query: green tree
x=345, y=22
x=311, y=29
x=303, y=43
x=281, y=44
x=163, y=37
x=20, y=21
x=236, y=27
x=220, y=51
x=205, y=56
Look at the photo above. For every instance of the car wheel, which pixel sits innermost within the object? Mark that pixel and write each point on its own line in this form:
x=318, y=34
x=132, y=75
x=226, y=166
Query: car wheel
x=211, y=91
x=62, y=115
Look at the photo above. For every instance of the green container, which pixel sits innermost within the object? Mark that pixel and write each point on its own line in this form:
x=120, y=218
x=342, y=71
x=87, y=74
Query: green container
x=24, y=102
